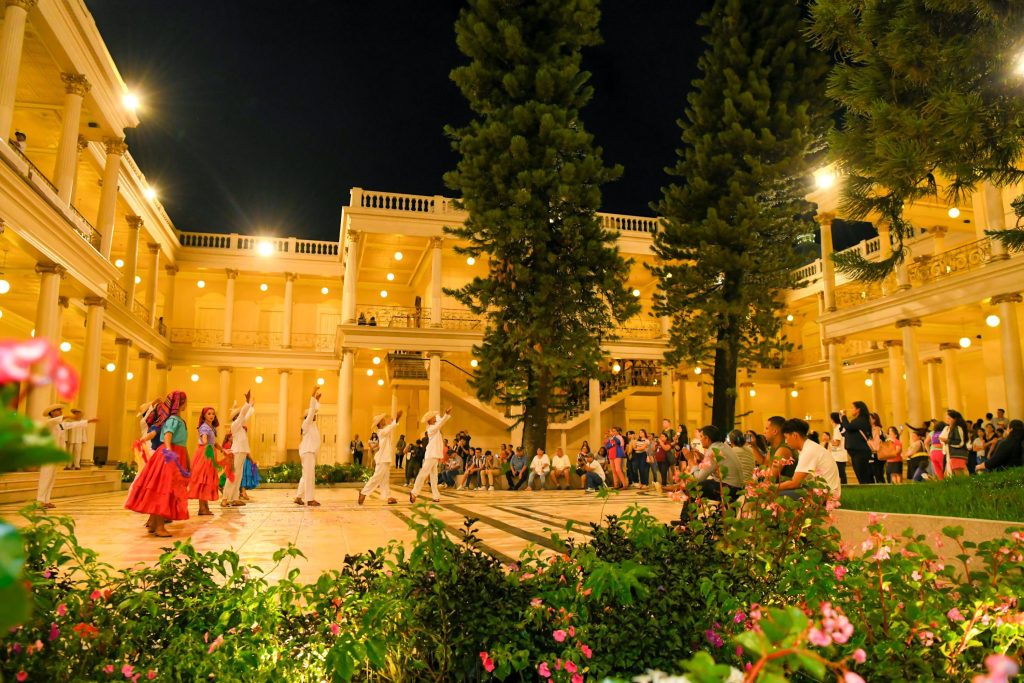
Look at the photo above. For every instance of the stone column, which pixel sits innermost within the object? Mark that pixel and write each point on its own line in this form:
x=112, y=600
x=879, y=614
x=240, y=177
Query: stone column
x=912, y=370
x=153, y=281
x=345, y=381
x=349, y=291
x=594, y=416
x=434, y=382
x=787, y=398
x=835, y=371
x=286, y=317
x=168, y=316
x=11, y=40
x=89, y=392
x=954, y=394
x=828, y=268
x=1013, y=367
x=681, y=408
x=666, y=326
x=875, y=374
x=47, y=327
x=394, y=402
x=897, y=386
x=82, y=145
x=131, y=259
x=161, y=379
x=142, y=378
x=116, y=445
x=826, y=389
x=935, y=408
x=939, y=233
x=64, y=171
x=436, y=292
x=229, y=305
x=224, y=393
x=667, y=404
x=995, y=218
x=115, y=148
x=282, y=415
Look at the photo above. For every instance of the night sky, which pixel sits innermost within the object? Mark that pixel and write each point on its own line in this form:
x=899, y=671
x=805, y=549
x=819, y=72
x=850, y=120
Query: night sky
x=259, y=116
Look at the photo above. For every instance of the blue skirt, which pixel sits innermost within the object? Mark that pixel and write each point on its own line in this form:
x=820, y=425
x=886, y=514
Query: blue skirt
x=250, y=475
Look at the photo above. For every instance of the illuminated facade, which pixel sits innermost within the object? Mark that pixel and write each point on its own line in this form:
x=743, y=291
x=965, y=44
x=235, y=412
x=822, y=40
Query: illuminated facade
x=94, y=263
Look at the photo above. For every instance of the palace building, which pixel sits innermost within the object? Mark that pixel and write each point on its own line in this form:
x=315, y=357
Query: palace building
x=91, y=261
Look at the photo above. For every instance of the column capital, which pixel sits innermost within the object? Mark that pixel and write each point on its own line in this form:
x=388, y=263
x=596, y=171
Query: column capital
x=161, y=366
x=91, y=301
x=1011, y=298
x=908, y=322
x=353, y=237
x=938, y=230
x=284, y=371
x=153, y=247
x=83, y=142
x=835, y=341
x=26, y=5
x=933, y=361
x=63, y=301
x=232, y=273
x=75, y=84
x=949, y=346
x=893, y=343
x=134, y=222
x=825, y=218
x=50, y=269
x=787, y=385
x=171, y=269
x=291, y=277
x=436, y=242
x=224, y=368
x=145, y=355
x=123, y=341
x=825, y=379
x=115, y=146
x=876, y=371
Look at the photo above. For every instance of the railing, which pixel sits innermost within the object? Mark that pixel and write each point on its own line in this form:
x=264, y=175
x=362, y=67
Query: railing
x=407, y=365
x=393, y=316
x=250, y=244
x=459, y=377
x=141, y=311
x=252, y=339
x=198, y=338
x=808, y=272
x=972, y=256
x=614, y=221
x=461, y=319
x=857, y=293
x=639, y=328
x=86, y=230
x=115, y=292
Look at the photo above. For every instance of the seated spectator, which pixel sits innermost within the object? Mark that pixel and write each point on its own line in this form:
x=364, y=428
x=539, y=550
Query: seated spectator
x=491, y=467
x=744, y=452
x=1009, y=452
x=581, y=460
x=539, y=468
x=516, y=475
x=452, y=469
x=593, y=477
x=474, y=467
x=812, y=460
x=560, y=469
x=720, y=473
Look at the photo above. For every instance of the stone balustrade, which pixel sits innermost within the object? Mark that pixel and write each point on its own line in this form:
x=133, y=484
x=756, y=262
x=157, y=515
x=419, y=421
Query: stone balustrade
x=250, y=245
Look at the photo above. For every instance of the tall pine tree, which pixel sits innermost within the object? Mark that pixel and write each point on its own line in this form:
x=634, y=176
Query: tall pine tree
x=530, y=178
x=929, y=91
x=756, y=117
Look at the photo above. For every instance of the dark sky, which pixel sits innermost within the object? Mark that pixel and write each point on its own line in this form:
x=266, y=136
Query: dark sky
x=259, y=115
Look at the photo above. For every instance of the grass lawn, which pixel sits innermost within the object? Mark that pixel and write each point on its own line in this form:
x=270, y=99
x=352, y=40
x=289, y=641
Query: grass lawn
x=999, y=495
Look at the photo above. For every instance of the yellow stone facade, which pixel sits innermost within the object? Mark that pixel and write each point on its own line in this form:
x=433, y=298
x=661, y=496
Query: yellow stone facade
x=93, y=260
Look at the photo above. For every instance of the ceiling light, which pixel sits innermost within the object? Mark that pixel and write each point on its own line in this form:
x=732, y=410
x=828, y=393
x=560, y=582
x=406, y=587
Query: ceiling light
x=616, y=368
x=65, y=346
x=32, y=333
x=263, y=286
x=380, y=382
x=789, y=318
x=824, y=179
x=752, y=393
x=953, y=212
x=965, y=342
x=474, y=363
x=119, y=263
x=391, y=276
x=5, y=286
x=697, y=370
x=131, y=376
x=264, y=248
x=259, y=379
x=992, y=320
x=324, y=290
x=195, y=377
x=138, y=280
x=150, y=193
x=320, y=381
x=383, y=294
x=470, y=261
x=376, y=360
x=869, y=382
x=636, y=292
x=1, y=314
x=399, y=256
x=369, y=372
x=130, y=101
x=111, y=367
x=201, y=284
x=794, y=393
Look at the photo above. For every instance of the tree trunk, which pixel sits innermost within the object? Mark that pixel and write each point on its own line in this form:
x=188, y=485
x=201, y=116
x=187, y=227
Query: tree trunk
x=535, y=414
x=723, y=400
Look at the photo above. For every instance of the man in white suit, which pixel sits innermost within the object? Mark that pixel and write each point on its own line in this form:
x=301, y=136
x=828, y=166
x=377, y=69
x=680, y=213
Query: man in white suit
x=308, y=447
x=433, y=455
x=384, y=459
x=240, y=449
x=54, y=420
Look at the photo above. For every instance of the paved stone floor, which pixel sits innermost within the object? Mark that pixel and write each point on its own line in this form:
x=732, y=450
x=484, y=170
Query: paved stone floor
x=507, y=523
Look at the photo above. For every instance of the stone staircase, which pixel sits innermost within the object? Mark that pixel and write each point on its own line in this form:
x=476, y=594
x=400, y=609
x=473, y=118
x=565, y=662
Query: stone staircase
x=20, y=487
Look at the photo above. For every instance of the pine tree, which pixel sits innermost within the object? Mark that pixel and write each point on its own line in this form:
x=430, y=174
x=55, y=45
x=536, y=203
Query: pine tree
x=756, y=117
x=530, y=178
x=930, y=91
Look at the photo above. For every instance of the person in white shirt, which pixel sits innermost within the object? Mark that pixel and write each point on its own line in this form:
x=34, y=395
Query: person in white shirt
x=560, y=469
x=76, y=439
x=812, y=460
x=593, y=477
x=838, y=446
x=385, y=427
x=433, y=454
x=308, y=447
x=59, y=429
x=539, y=468
x=231, y=495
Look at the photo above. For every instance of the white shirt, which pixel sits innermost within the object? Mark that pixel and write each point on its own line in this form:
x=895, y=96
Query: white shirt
x=595, y=468
x=386, y=443
x=77, y=434
x=560, y=462
x=310, y=431
x=815, y=460
x=541, y=463
x=59, y=429
x=240, y=437
x=435, y=442
x=839, y=453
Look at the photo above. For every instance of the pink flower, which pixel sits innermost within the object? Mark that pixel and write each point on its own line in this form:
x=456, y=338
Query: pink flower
x=576, y=678
x=17, y=359
x=860, y=656
x=95, y=595
x=543, y=670
x=486, y=660
x=536, y=602
x=572, y=631
x=839, y=571
x=335, y=629
x=108, y=669
x=54, y=632
x=21, y=676
x=916, y=575
x=819, y=638
x=872, y=518
x=882, y=553
x=954, y=615
x=217, y=642
x=150, y=674
x=558, y=635
x=587, y=652
x=571, y=667
x=850, y=677
x=127, y=670
x=1001, y=667
x=62, y=610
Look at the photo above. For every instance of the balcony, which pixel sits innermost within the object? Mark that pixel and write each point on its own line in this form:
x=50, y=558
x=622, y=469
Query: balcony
x=312, y=258
x=251, y=340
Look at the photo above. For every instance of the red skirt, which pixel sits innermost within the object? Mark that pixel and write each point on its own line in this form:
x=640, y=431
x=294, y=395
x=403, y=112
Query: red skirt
x=160, y=488
x=204, y=484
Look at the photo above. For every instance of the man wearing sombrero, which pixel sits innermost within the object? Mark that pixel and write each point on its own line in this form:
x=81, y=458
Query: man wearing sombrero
x=384, y=459
x=433, y=455
x=308, y=447
x=54, y=416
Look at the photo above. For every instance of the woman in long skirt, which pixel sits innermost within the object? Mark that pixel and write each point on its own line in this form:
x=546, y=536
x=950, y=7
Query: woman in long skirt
x=203, y=485
x=161, y=489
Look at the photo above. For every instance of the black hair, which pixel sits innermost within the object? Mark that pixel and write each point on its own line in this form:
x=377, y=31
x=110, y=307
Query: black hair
x=713, y=433
x=795, y=425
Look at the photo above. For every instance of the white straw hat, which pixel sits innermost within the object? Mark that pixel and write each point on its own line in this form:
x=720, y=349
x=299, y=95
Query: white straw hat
x=377, y=419
x=429, y=414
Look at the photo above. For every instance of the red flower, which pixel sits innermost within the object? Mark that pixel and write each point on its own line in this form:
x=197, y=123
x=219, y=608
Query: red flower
x=21, y=676
x=85, y=630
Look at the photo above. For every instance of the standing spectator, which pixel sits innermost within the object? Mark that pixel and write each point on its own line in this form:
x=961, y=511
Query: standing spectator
x=615, y=447
x=813, y=461
x=936, y=451
x=857, y=433
x=400, y=451
x=662, y=452
x=516, y=475
x=640, y=452
x=539, y=468
x=19, y=140
x=594, y=477
x=667, y=431
x=560, y=469
x=894, y=463
x=837, y=445
x=356, y=449
x=1009, y=452
x=877, y=437
x=957, y=440
x=917, y=458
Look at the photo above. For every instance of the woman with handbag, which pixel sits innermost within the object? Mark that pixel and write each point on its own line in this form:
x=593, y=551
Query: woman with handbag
x=891, y=453
x=936, y=452
x=855, y=434
x=957, y=440
x=875, y=443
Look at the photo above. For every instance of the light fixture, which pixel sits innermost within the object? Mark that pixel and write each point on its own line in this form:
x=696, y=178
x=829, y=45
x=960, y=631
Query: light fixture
x=668, y=275
x=752, y=393
x=380, y=382
x=399, y=256
x=470, y=261
x=259, y=379
x=201, y=283
x=992, y=320
x=65, y=346
x=324, y=290
x=320, y=381
x=264, y=248
x=391, y=276
x=383, y=294
x=5, y=286
x=32, y=333
x=376, y=360
x=474, y=363
x=369, y=372
x=869, y=382
x=263, y=287
x=130, y=101
x=697, y=370
x=1, y=314
x=150, y=193
x=636, y=292
x=953, y=212
x=904, y=375
x=195, y=377
x=138, y=280
x=616, y=368
x=824, y=179
x=789, y=318
x=794, y=393
x=111, y=367
x=130, y=376
x=119, y=263
x=965, y=342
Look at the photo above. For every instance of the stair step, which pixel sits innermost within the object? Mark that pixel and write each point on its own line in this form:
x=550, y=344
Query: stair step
x=16, y=487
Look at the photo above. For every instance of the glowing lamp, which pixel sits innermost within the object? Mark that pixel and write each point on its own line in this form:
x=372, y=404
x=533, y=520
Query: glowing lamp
x=130, y=376
x=953, y=212
x=636, y=292
x=383, y=294
x=259, y=379
x=616, y=368
x=992, y=320
x=65, y=346
x=391, y=277
x=369, y=372
x=824, y=179
x=150, y=193
x=752, y=393
x=111, y=367
x=470, y=261
x=697, y=370
x=264, y=248
x=263, y=287
x=5, y=286
x=138, y=279
x=965, y=342
x=474, y=363
x=195, y=377
x=399, y=256
x=119, y=263
x=794, y=393
x=130, y=101
x=376, y=360
x=789, y=318
x=380, y=383
x=201, y=283
x=869, y=382
x=324, y=290
x=320, y=381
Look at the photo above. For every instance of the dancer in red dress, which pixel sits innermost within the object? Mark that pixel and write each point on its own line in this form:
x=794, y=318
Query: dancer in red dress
x=161, y=489
x=203, y=484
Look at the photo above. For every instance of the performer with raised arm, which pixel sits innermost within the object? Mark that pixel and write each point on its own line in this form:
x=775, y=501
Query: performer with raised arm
x=308, y=447
x=384, y=459
x=239, y=450
x=59, y=429
x=435, y=451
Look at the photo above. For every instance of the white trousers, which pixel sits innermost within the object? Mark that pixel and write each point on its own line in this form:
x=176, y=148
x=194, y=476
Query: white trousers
x=47, y=476
x=307, y=485
x=429, y=469
x=76, y=455
x=381, y=478
x=232, y=489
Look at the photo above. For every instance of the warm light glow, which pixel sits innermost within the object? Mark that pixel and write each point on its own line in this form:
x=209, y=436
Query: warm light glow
x=391, y=276
x=383, y=294
x=201, y=284
x=195, y=377
x=824, y=179
x=376, y=360
x=752, y=393
x=616, y=368
x=320, y=381
x=869, y=382
x=263, y=287
x=992, y=320
x=324, y=290
x=794, y=393
x=953, y=212
x=474, y=363
x=1019, y=66
x=965, y=342
x=697, y=370
x=380, y=383
x=1, y=314
x=399, y=256
x=668, y=275
x=789, y=318
x=111, y=367
x=150, y=193
x=636, y=292
x=5, y=286
x=264, y=248
x=131, y=376
x=259, y=379
x=32, y=333
x=119, y=263
x=130, y=101
x=369, y=372
x=138, y=279
x=470, y=261
x=65, y=346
